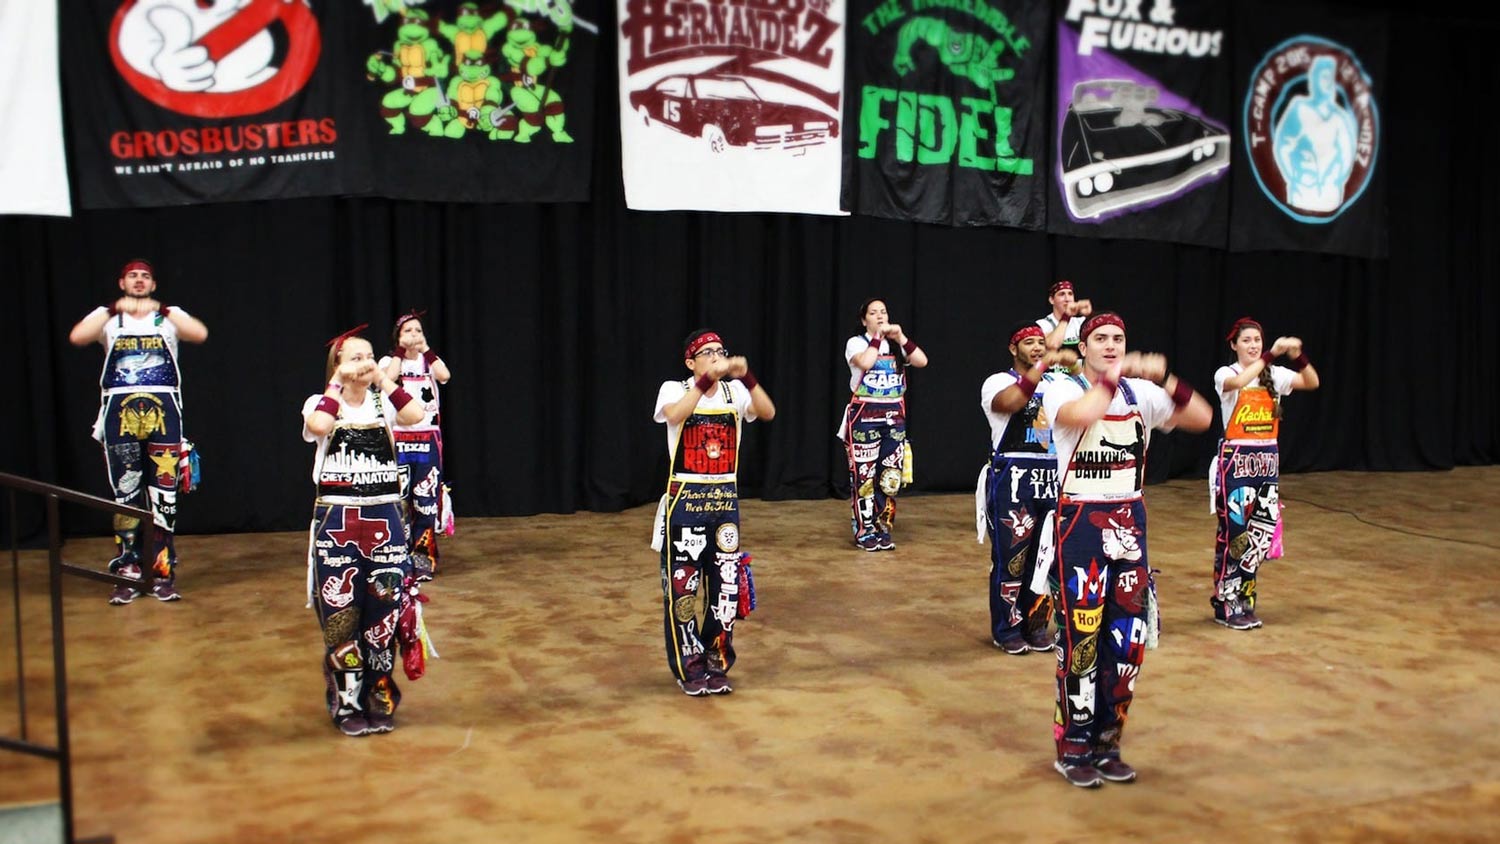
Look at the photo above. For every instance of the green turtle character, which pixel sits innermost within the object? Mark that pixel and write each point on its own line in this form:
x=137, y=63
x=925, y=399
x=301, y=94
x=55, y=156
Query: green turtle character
x=471, y=30
x=420, y=64
x=473, y=96
x=537, y=101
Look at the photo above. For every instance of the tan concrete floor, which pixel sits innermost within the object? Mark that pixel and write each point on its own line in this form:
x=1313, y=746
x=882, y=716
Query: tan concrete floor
x=869, y=704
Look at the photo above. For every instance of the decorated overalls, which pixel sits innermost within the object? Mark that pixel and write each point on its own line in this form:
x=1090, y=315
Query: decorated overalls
x=698, y=529
x=420, y=448
x=1104, y=578
x=874, y=433
x=357, y=560
x=1020, y=493
x=1244, y=483
x=140, y=426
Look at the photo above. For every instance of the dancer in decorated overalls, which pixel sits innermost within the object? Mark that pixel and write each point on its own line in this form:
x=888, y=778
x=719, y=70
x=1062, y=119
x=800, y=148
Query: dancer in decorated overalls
x=1064, y=321
x=1019, y=488
x=874, y=425
x=417, y=368
x=1106, y=595
x=698, y=523
x=358, y=567
x=140, y=419
x=1245, y=479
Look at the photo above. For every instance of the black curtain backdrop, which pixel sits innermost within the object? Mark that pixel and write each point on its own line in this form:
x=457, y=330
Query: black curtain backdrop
x=560, y=322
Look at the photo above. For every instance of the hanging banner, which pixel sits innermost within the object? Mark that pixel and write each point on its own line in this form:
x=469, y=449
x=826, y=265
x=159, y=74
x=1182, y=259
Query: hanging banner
x=1311, y=87
x=946, y=111
x=479, y=101
x=1143, y=114
x=732, y=106
x=33, y=173
x=173, y=102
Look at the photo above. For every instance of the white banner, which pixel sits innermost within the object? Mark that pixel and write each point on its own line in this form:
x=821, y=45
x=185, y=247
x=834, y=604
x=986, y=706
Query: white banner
x=33, y=175
x=732, y=107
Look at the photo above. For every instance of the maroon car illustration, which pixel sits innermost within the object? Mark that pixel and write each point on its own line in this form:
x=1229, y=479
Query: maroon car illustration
x=725, y=110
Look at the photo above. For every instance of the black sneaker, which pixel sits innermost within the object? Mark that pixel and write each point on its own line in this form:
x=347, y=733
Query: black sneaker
x=1114, y=770
x=353, y=725
x=695, y=687
x=1015, y=646
x=1083, y=776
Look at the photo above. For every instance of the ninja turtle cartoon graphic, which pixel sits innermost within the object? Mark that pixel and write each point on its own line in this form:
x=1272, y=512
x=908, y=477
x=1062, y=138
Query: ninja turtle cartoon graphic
x=420, y=64
x=471, y=30
x=965, y=54
x=530, y=62
x=472, y=101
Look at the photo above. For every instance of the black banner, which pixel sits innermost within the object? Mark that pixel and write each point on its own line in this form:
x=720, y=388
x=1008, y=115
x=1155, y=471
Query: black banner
x=944, y=111
x=1142, y=138
x=479, y=101
x=172, y=102
x=1310, y=82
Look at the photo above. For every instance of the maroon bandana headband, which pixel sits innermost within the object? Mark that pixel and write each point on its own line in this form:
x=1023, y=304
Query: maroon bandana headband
x=338, y=342
x=1028, y=331
x=408, y=317
x=702, y=340
x=1241, y=324
x=136, y=264
x=1059, y=285
x=1098, y=321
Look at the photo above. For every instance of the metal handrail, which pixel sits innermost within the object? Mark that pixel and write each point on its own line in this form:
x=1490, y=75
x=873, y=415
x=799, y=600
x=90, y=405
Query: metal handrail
x=53, y=494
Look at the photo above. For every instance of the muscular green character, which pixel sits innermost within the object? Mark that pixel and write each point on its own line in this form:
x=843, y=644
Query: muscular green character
x=965, y=54
x=537, y=102
x=470, y=31
x=472, y=97
x=419, y=63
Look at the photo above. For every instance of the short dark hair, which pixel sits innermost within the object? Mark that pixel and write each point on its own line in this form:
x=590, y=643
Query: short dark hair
x=694, y=335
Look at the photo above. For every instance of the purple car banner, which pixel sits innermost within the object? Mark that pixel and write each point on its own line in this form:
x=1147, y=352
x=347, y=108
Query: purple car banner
x=731, y=106
x=946, y=112
x=1310, y=91
x=1142, y=139
x=176, y=102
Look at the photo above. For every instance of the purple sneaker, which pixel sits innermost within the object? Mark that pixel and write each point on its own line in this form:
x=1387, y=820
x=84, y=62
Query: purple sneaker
x=125, y=594
x=164, y=590
x=694, y=687
x=353, y=725
x=379, y=723
x=1015, y=646
x=1083, y=776
x=1114, y=770
x=718, y=684
x=868, y=542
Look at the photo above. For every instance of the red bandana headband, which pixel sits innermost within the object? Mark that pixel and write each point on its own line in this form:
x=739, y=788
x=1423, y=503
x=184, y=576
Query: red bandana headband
x=1064, y=284
x=1241, y=324
x=338, y=342
x=1027, y=331
x=1099, y=320
x=702, y=340
x=136, y=264
x=409, y=316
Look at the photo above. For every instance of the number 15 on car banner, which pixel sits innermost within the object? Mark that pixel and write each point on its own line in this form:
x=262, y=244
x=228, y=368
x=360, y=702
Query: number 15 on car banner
x=731, y=107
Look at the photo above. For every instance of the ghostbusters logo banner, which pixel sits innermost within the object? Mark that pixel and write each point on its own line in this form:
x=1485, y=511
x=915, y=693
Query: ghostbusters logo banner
x=479, y=100
x=732, y=105
x=1142, y=141
x=173, y=102
x=946, y=111
x=1310, y=92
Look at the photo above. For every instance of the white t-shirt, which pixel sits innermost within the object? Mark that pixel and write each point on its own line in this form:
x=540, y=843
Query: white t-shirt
x=130, y=363
x=364, y=414
x=418, y=380
x=994, y=386
x=1281, y=379
x=1152, y=401
x=856, y=345
x=1075, y=325
x=672, y=392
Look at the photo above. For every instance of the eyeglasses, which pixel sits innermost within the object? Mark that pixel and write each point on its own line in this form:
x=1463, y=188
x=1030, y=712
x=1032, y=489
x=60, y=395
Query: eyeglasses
x=708, y=353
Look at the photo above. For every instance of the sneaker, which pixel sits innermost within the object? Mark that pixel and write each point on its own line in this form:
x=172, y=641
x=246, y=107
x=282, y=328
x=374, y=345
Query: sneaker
x=353, y=725
x=1249, y=617
x=1114, y=770
x=884, y=542
x=868, y=542
x=421, y=567
x=1015, y=646
x=122, y=595
x=718, y=684
x=1041, y=640
x=1083, y=776
x=164, y=590
x=695, y=687
x=1238, y=622
x=380, y=723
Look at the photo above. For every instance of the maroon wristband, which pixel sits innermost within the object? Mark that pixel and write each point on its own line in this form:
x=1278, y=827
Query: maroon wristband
x=328, y=406
x=430, y=357
x=875, y=342
x=748, y=379
x=704, y=384
x=400, y=398
x=164, y=310
x=909, y=346
x=1028, y=389
x=1300, y=362
x=1181, y=394
x=1266, y=358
